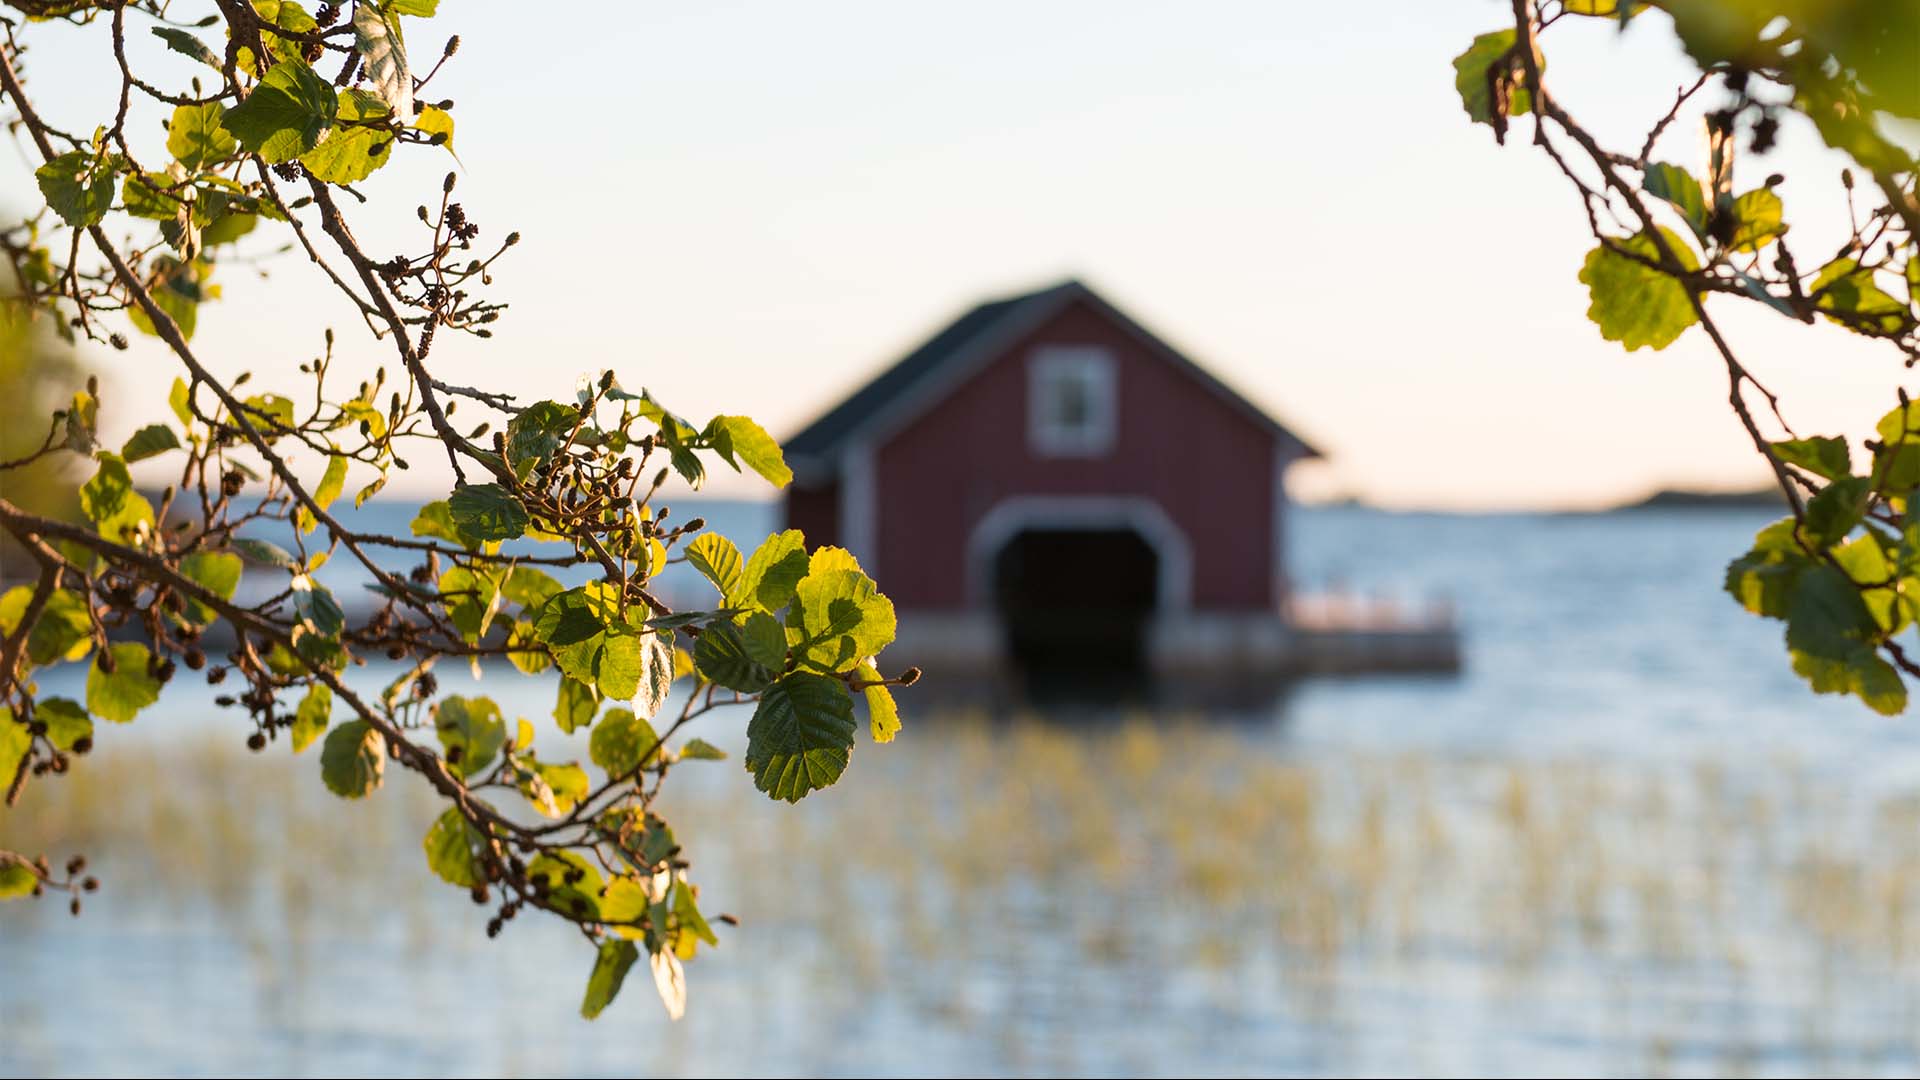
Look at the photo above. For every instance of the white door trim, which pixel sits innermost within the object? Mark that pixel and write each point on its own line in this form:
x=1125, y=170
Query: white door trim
x=1143, y=516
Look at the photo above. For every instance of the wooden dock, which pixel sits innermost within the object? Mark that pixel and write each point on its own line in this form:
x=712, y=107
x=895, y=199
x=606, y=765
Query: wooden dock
x=1204, y=658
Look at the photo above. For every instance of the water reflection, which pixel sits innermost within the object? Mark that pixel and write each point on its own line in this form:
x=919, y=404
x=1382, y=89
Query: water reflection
x=1158, y=896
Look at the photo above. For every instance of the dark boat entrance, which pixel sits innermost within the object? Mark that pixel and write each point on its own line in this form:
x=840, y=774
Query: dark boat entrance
x=1075, y=605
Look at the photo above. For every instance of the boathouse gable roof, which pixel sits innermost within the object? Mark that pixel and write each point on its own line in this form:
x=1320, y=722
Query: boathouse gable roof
x=922, y=377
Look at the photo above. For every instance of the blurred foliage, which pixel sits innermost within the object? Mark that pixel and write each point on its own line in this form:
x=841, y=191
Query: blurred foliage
x=216, y=573
x=38, y=373
x=1843, y=571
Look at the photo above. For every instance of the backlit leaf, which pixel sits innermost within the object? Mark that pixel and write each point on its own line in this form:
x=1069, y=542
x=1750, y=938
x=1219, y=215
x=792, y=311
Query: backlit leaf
x=610, y=966
x=196, y=137
x=471, y=732
x=619, y=740
x=772, y=573
x=717, y=560
x=118, y=696
x=450, y=846
x=353, y=759
x=286, y=114
x=150, y=441
x=487, y=512
x=78, y=186
x=1635, y=304
x=311, y=718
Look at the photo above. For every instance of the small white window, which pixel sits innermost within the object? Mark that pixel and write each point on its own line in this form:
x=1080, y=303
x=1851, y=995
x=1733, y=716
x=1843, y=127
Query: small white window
x=1071, y=400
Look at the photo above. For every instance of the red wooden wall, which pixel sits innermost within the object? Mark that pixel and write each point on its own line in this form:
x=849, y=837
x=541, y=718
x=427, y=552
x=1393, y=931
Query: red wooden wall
x=1207, y=464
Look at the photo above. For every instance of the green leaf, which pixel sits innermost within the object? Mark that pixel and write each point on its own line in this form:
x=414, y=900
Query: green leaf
x=772, y=573
x=1470, y=71
x=524, y=651
x=332, y=482
x=180, y=399
x=103, y=496
x=637, y=668
x=765, y=640
x=286, y=114
x=487, y=512
x=78, y=186
x=150, y=441
x=701, y=750
x=63, y=632
x=738, y=436
x=435, y=520
x=216, y=571
x=609, y=972
x=1679, y=189
x=472, y=599
x=573, y=883
x=840, y=616
x=717, y=560
x=434, y=121
x=187, y=45
x=692, y=924
x=1836, y=510
x=451, y=847
x=287, y=15
x=1760, y=220
x=619, y=740
x=131, y=687
x=16, y=741
x=358, y=144
x=1821, y=455
x=178, y=288
x=353, y=759
x=67, y=723
x=472, y=732
x=317, y=608
x=530, y=587
x=1900, y=425
x=536, y=433
x=1847, y=293
x=720, y=656
x=376, y=36
x=152, y=196
x=1877, y=683
x=576, y=706
x=265, y=551
x=594, y=642
x=16, y=881
x=1763, y=580
x=687, y=464
x=801, y=736
x=1827, y=617
x=883, y=715
x=197, y=139
x=227, y=228
x=312, y=717
x=554, y=790
x=1865, y=561
x=1635, y=304
x=1861, y=672
x=269, y=412
x=625, y=906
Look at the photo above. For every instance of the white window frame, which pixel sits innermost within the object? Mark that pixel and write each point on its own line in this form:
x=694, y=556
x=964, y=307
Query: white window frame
x=1093, y=367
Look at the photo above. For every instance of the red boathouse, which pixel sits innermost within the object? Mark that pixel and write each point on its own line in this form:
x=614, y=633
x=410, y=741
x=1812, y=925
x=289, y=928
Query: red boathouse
x=1045, y=482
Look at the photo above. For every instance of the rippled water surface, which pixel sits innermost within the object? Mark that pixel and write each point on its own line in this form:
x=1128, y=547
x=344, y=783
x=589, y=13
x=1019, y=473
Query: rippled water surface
x=1625, y=840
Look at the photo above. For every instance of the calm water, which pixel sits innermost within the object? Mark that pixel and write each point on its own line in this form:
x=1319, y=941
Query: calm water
x=1624, y=840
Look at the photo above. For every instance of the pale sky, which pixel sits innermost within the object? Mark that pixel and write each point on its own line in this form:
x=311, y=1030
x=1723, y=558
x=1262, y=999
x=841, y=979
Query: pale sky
x=752, y=207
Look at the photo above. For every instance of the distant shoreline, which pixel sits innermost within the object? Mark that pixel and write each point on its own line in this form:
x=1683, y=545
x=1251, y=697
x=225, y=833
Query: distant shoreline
x=1767, y=498
x=1664, y=500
